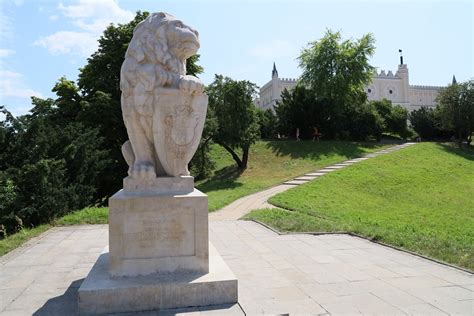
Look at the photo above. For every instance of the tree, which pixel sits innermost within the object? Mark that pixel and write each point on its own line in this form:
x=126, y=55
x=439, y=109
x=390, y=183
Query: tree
x=394, y=117
x=201, y=165
x=337, y=70
x=300, y=108
x=426, y=123
x=267, y=122
x=232, y=103
x=363, y=121
x=456, y=108
x=51, y=163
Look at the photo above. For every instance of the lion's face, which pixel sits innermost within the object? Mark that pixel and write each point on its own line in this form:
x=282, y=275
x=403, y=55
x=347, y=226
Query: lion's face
x=183, y=41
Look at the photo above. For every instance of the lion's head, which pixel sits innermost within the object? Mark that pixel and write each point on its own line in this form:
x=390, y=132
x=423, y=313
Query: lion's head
x=163, y=39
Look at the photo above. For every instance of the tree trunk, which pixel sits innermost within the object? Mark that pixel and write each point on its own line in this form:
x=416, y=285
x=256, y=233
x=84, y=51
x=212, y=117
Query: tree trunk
x=233, y=154
x=245, y=156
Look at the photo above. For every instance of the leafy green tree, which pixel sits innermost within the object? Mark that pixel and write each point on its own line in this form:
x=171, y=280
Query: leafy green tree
x=267, y=122
x=202, y=165
x=456, y=108
x=338, y=70
x=232, y=103
x=363, y=122
x=394, y=117
x=192, y=67
x=302, y=108
x=397, y=123
x=425, y=122
x=51, y=164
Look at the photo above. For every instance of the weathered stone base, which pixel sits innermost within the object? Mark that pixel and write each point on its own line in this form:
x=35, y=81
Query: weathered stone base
x=100, y=293
x=155, y=233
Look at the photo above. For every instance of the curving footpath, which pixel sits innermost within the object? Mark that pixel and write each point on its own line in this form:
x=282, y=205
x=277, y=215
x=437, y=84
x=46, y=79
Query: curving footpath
x=246, y=204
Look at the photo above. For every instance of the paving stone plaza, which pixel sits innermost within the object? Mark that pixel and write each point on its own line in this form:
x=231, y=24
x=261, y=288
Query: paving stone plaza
x=296, y=274
x=278, y=274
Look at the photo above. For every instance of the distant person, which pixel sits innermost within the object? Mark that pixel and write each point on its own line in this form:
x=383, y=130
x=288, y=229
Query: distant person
x=315, y=134
x=298, y=134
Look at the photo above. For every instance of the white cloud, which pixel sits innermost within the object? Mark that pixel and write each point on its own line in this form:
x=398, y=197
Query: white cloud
x=53, y=17
x=6, y=52
x=272, y=49
x=67, y=42
x=12, y=86
x=91, y=17
x=95, y=8
x=6, y=25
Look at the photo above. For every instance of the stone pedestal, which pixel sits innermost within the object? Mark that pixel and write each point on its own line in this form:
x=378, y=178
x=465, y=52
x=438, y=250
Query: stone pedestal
x=153, y=233
x=100, y=293
x=159, y=254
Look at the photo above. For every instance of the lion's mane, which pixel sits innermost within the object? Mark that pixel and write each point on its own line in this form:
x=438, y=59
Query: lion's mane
x=149, y=46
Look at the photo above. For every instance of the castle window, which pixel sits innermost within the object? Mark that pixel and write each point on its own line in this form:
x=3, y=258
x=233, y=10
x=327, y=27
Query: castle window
x=369, y=90
x=390, y=91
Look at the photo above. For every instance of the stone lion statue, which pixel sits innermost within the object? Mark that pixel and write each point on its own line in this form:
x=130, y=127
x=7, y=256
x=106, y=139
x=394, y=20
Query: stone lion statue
x=162, y=107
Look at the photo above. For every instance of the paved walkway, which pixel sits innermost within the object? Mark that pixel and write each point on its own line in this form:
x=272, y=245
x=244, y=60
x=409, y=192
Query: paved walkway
x=242, y=206
x=278, y=274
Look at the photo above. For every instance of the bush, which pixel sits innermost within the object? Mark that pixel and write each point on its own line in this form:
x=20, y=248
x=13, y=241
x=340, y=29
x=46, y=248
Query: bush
x=426, y=123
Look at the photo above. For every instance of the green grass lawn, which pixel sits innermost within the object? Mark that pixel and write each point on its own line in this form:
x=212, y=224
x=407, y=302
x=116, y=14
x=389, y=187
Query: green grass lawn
x=16, y=240
x=420, y=198
x=270, y=163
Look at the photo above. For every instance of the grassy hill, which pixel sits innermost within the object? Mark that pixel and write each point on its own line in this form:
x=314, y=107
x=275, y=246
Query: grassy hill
x=419, y=198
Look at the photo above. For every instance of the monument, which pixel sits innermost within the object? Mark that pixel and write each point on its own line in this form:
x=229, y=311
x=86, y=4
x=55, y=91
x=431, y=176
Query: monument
x=159, y=253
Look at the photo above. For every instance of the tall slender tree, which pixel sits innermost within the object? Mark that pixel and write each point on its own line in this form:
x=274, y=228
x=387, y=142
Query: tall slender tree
x=456, y=109
x=335, y=69
x=232, y=103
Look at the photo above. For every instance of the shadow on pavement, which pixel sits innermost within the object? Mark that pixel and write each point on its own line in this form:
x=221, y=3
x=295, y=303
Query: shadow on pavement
x=65, y=304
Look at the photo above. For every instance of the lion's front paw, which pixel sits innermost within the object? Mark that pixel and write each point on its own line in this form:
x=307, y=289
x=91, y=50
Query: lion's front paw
x=191, y=84
x=142, y=171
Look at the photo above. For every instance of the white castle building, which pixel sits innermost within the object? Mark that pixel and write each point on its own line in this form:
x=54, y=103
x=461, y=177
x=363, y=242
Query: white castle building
x=394, y=87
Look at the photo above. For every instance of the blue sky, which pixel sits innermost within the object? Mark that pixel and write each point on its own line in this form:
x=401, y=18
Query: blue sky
x=40, y=41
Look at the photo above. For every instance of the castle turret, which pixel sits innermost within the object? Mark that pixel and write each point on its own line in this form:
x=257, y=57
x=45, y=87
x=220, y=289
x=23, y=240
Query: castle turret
x=274, y=71
x=275, y=84
x=403, y=74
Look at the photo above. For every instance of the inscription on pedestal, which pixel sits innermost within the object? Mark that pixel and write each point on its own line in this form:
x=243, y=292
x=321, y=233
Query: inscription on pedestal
x=170, y=235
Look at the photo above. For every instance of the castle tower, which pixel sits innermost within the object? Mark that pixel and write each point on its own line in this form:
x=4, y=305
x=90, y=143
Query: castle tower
x=275, y=85
x=403, y=74
x=274, y=71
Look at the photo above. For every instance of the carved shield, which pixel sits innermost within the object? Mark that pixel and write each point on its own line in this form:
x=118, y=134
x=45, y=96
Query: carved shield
x=178, y=121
